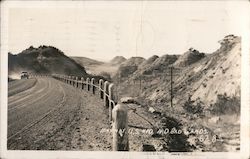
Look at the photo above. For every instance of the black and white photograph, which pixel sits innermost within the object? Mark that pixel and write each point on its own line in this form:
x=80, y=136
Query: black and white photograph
x=158, y=78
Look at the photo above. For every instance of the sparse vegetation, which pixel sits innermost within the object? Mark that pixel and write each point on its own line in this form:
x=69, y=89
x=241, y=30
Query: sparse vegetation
x=226, y=105
x=148, y=81
x=194, y=107
x=106, y=75
x=44, y=60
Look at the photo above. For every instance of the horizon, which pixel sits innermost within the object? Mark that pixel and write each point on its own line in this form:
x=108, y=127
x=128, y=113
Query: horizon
x=101, y=60
x=102, y=30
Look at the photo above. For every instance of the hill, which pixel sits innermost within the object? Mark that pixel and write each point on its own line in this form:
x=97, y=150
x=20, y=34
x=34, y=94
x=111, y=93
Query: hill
x=156, y=65
x=128, y=67
x=217, y=73
x=117, y=60
x=206, y=92
x=43, y=60
x=89, y=64
x=86, y=61
x=188, y=58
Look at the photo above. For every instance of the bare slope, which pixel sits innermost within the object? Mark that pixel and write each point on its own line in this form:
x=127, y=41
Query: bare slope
x=216, y=74
x=206, y=94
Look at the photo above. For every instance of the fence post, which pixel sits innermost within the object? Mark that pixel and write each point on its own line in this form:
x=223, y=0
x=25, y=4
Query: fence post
x=82, y=79
x=120, y=128
x=76, y=82
x=93, y=85
x=70, y=80
x=88, y=84
x=106, y=97
x=101, y=88
x=111, y=100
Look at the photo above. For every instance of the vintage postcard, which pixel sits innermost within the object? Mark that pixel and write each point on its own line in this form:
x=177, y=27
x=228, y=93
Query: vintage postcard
x=125, y=79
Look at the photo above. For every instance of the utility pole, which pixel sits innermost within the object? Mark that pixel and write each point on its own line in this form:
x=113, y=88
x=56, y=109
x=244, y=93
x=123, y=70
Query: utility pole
x=173, y=72
x=171, y=85
x=140, y=84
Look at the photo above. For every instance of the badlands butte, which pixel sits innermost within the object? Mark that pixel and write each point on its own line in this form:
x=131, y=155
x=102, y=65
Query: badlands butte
x=205, y=89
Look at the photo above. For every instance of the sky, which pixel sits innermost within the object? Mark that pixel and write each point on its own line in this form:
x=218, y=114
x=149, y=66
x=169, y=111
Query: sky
x=105, y=29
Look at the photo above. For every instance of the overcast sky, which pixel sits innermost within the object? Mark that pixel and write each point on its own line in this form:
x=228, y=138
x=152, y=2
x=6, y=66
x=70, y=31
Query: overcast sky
x=102, y=30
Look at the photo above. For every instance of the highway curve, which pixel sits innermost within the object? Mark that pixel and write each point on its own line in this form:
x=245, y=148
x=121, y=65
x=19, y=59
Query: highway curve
x=47, y=114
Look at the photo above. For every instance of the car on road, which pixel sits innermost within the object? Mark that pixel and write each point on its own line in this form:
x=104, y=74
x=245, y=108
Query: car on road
x=24, y=75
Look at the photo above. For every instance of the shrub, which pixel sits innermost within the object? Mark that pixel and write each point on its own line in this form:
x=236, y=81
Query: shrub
x=226, y=105
x=194, y=107
x=106, y=75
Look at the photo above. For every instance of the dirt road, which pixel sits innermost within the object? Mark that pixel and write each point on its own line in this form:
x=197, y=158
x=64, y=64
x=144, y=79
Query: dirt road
x=47, y=114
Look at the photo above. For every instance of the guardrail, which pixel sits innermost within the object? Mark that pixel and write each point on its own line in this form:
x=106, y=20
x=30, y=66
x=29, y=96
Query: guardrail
x=117, y=111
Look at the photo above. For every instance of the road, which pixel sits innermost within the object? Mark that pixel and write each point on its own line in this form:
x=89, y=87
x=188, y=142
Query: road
x=47, y=114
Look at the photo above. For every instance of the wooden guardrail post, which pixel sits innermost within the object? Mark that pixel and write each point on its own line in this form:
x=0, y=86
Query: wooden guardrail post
x=93, y=85
x=70, y=80
x=106, y=98
x=120, y=128
x=101, y=88
x=65, y=78
x=88, y=84
x=82, y=80
x=111, y=100
x=76, y=82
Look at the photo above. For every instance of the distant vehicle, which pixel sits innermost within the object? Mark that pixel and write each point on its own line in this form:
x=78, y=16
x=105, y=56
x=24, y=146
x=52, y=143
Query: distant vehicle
x=24, y=75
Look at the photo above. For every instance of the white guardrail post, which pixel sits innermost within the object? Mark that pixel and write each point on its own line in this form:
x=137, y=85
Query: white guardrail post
x=106, y=98
x=69, y=80
x=93, y=85
x=76, y=85
x=120, y=128
x=101, y=88
x=111, y=100
x=82, y=80
x=88, y=84
x=118, y=114
x=74, y=82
